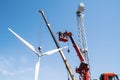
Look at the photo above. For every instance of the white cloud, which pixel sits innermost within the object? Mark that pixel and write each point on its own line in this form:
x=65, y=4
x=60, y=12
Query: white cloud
x=3, y=61
x=16, y=72
x=23, y=60
x=10, y=68
x=6, y=72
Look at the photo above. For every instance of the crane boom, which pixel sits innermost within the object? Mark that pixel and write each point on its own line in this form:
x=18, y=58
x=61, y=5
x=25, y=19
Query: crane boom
x=81, y=31
x=58, y=46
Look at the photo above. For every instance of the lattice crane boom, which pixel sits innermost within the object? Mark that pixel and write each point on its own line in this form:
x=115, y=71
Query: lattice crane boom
x=81, y=31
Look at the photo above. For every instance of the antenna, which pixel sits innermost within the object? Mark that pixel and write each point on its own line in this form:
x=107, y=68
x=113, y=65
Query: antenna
x=37, y=66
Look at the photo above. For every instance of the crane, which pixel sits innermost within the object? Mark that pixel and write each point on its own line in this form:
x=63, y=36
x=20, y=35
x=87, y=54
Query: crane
x=81, y=31
x=82, y=49
x=58, y=46
x=83, y=69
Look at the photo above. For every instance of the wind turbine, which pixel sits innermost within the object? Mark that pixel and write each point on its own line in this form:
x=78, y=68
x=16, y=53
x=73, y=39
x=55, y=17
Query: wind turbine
x=38, y=53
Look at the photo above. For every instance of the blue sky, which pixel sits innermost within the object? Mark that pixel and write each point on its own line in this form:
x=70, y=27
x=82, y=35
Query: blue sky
x=102, y=28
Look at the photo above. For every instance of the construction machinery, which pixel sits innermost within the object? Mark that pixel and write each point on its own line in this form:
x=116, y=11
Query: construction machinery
x=109, y=76
x=58, y=46
x=84, y=68
x=82, y=50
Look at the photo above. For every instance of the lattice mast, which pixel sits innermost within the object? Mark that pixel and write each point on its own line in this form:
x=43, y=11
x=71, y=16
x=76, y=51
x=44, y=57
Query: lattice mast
x=81, y=31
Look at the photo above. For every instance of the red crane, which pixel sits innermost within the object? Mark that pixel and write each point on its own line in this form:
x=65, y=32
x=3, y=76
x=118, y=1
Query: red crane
x=82, y=51
x=83, y=69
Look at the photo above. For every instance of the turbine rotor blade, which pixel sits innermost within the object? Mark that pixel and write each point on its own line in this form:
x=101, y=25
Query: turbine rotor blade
x=24, y=41
x=37, y=67
x=54, y=51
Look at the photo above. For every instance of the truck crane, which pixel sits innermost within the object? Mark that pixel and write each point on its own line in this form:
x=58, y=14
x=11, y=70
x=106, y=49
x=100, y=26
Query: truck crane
x=84, y=68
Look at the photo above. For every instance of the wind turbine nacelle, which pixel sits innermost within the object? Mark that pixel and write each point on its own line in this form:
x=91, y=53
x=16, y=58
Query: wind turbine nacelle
x=39, y=48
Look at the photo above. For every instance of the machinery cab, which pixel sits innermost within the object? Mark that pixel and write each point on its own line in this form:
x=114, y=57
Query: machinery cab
x=109, y=76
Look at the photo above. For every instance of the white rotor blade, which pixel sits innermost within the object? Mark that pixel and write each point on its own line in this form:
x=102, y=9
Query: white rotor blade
x=53, y=51
x=25, y=42
x=37, y=67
